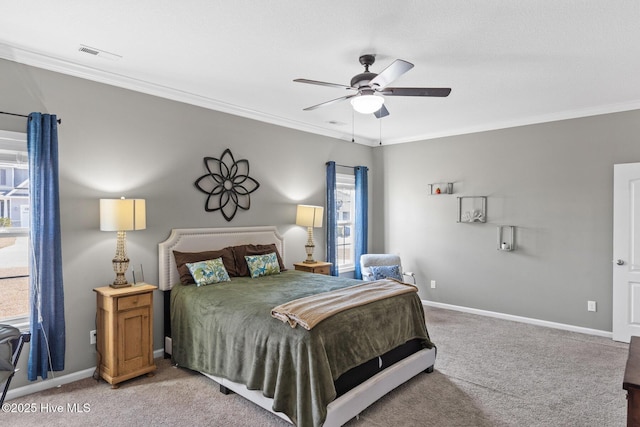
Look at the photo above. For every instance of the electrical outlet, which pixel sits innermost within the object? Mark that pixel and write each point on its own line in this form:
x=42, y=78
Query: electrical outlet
x=433, y=284
x=591, y=306
x=92, y=337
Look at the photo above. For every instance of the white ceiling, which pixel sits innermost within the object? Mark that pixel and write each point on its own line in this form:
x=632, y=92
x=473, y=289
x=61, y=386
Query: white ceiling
x=508, y=62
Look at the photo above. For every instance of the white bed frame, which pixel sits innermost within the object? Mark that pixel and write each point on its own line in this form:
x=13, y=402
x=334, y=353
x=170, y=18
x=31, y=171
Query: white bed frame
x=340, y=410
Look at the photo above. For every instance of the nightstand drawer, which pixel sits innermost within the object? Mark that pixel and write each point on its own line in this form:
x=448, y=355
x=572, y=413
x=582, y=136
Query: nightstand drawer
x=134, y=301
x=318, y=267
x=322, y=270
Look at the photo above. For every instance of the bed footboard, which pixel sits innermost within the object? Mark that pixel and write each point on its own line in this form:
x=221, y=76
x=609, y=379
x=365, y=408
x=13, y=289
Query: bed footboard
x=354, y=401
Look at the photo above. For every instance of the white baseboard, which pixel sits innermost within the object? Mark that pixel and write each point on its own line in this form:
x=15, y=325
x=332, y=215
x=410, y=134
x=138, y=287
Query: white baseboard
x=521, y=319
x=58, y=381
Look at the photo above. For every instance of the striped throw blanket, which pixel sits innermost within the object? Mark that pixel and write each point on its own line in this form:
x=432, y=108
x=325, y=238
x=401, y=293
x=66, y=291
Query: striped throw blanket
x=309, y=311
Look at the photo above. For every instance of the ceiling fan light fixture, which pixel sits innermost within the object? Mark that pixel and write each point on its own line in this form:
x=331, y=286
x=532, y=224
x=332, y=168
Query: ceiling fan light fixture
x=367, y=104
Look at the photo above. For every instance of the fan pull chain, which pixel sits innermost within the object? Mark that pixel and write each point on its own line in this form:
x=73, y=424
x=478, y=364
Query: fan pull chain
x=380, y=139
x=353, y=126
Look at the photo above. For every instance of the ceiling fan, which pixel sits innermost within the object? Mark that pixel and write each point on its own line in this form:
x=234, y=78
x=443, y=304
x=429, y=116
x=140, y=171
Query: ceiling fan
x=371, y=88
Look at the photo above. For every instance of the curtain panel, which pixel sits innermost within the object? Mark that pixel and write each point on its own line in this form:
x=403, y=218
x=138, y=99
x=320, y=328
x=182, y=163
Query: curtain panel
x=46, y=296
x=361, y=217
x=332, y=218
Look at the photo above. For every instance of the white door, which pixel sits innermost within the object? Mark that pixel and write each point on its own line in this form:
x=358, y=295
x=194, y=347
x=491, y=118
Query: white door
x=626, y=251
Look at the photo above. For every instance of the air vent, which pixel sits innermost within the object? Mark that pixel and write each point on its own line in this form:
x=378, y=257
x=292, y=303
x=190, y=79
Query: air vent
x=88, y=50
x=99, y=53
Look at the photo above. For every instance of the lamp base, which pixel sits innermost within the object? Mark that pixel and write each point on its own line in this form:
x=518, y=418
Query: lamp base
x=309, y=247
x=114, y=285
x=120, y=265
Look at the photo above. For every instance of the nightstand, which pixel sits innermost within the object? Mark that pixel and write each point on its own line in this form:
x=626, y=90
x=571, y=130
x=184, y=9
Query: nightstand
x=318, y=267
x=124, y=333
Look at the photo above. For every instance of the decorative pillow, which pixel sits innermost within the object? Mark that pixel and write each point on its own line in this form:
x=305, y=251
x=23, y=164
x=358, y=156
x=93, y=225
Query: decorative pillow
x=241, y=251
x=208, y=272
x=384, y=271
x=182, y=258
x=262, y=265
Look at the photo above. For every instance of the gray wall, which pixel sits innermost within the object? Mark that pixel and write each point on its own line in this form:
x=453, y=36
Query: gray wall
x=114, y=142
x=553, y=181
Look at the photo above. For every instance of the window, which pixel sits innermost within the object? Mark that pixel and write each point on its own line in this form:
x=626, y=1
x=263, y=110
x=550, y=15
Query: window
x=14, y=228
x=345, y=205
x=4, y=180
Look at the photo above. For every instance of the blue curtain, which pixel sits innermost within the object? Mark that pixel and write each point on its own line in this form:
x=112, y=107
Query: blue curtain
x=362, y=218
x=46, y=352
x=332, y=220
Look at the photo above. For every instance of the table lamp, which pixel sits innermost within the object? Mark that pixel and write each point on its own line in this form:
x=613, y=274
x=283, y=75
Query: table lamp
x=122, y=215
x=310, y=217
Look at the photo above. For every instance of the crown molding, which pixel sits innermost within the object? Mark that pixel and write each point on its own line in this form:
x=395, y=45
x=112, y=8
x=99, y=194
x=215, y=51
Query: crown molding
x=526, y=121
x=39, y=60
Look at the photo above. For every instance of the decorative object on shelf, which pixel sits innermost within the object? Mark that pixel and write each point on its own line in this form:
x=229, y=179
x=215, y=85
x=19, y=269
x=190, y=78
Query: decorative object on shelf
x=227, y=185
x=441, y=188
x=506, y=238
x=122, y=215
x=311, y=217
x=472, y=209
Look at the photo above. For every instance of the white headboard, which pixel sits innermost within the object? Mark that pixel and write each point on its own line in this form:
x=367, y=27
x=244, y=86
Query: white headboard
x=202, y=239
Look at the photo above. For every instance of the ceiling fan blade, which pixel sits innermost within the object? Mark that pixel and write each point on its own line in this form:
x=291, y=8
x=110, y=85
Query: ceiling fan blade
x=333, y=101
x=416, y=91
x=316, y=82
x=389, y=74
x=382, y=112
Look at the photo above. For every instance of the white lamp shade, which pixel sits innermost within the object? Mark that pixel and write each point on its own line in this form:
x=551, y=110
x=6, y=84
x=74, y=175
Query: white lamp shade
x=309, y=216
x=367, y=104
x=122, y=214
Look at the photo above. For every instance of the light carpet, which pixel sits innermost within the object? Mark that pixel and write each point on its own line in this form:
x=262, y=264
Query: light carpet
x=489, y=372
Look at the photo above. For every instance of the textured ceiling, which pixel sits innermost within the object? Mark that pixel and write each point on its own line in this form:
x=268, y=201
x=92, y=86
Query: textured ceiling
x=508, y=63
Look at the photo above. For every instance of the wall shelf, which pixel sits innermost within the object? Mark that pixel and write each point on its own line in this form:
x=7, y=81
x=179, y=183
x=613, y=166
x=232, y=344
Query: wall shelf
x=440, y=188
x=506, y=238
x=472, y=209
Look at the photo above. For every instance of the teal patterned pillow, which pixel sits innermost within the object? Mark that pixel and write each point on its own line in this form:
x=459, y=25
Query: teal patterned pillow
x=384, y=271
x=208, y=272
x=262, y=265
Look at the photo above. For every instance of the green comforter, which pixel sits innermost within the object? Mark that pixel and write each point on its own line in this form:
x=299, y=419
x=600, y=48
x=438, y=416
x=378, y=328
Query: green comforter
x=227, y=330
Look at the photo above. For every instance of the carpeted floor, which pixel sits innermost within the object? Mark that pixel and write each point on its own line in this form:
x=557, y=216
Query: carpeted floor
x=489, y=372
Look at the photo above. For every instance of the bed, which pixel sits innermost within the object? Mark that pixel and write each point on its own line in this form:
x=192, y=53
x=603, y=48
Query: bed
x=325, y=376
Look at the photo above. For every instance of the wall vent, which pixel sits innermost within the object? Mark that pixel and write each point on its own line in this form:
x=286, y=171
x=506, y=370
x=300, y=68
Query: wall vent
x=88, y=50
x=99, y=53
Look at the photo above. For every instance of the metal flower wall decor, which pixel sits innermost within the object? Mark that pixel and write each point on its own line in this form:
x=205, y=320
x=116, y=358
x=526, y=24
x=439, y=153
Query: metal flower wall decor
x=227, y=184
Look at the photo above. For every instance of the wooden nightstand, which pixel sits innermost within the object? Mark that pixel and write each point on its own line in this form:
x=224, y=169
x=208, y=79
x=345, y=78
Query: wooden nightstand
x=317, y=267
x=125, y=332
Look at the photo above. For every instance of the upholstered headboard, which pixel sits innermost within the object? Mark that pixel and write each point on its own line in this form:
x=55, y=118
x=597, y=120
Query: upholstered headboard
x=201, y=239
